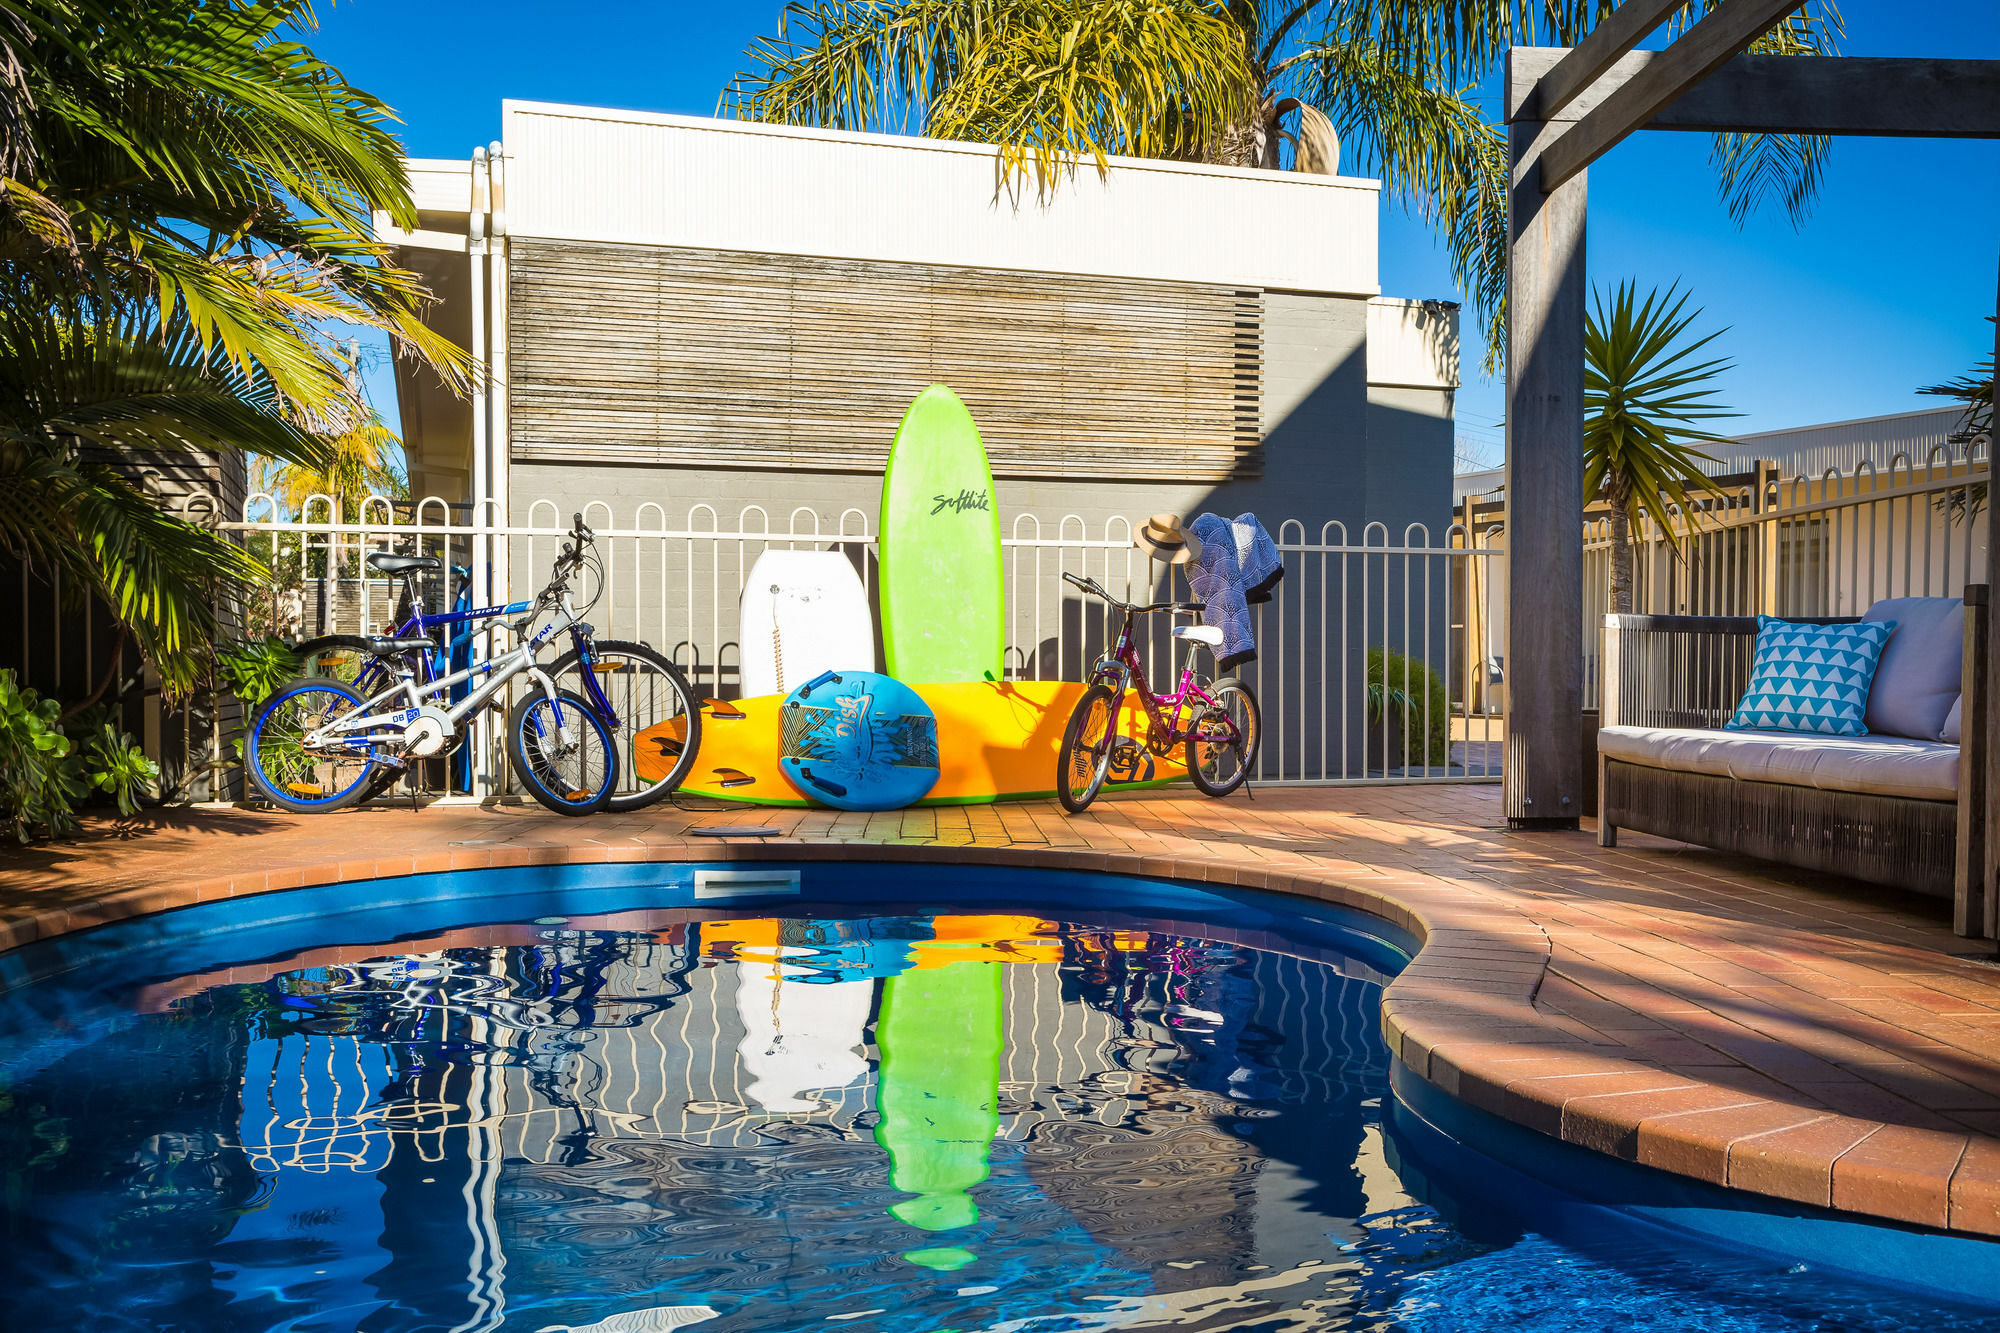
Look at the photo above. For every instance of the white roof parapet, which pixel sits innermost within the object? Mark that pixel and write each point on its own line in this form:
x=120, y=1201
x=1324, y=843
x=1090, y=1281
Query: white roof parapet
x=589, y=174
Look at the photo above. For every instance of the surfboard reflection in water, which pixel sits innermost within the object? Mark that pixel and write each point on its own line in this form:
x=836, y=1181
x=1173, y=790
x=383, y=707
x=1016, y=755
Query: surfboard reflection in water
x=905, y=1123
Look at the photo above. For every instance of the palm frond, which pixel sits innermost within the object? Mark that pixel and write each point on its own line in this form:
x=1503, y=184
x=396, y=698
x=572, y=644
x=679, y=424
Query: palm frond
x=1049, y=81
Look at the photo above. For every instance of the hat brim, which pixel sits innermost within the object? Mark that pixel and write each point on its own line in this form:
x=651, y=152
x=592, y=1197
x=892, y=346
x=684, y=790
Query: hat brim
x=1187, y=552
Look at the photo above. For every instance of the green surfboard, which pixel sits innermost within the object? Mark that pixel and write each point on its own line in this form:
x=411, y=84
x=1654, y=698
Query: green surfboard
x=939, y=1035
x=943, y=605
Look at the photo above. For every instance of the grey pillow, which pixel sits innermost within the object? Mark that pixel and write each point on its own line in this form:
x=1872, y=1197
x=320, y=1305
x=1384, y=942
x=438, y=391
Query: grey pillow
x=1917, y=680
x=1953, y=723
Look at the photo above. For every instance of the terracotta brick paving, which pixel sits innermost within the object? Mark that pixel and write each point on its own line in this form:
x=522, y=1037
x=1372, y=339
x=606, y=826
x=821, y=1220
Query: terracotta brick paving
x=1789, y=1034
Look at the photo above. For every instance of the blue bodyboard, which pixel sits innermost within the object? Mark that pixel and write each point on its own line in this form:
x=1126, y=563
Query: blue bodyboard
x=856, y=740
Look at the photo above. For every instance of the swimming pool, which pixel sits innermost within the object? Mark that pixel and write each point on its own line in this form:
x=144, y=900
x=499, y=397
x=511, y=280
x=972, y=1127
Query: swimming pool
x=825, y=1096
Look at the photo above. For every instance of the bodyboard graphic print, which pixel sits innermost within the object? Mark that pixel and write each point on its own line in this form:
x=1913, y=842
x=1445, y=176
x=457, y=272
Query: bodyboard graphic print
x=855, y=740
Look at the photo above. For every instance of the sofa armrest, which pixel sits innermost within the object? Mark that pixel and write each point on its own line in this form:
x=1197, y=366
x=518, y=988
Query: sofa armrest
x=1679, y=671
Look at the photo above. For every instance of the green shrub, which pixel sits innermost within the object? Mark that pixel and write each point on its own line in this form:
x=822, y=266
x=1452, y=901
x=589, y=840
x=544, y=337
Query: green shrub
x=38, y=787
x=1414, y=695
x=254, y=669
x=46, y=769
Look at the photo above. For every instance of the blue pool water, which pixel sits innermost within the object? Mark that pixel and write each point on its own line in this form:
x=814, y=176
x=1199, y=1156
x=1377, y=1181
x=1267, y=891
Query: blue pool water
x=905, y=1099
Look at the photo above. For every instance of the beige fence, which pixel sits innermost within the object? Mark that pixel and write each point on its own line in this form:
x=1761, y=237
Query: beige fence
x=1771, y=544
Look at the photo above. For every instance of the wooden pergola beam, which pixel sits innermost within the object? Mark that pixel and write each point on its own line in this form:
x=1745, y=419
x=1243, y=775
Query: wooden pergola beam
x=1884, y=97
x=1582, y=64
x=1719, y=37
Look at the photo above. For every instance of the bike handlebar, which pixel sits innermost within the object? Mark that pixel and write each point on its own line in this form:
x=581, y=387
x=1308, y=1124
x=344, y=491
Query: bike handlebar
x=1096, y=589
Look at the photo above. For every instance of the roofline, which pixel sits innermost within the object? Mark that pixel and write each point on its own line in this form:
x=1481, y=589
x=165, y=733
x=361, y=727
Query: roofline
x=1852, y=421
x=718, y=125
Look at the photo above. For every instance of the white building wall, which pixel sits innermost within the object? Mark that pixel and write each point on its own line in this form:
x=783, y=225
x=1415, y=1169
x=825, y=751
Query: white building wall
x=582, y=173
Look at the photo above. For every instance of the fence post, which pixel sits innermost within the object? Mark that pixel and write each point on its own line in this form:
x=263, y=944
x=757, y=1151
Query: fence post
x=1763, y=503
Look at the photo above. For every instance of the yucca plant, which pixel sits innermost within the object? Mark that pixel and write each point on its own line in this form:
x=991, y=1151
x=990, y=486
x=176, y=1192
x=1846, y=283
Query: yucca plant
x=1644, y=397
x=1054, y=82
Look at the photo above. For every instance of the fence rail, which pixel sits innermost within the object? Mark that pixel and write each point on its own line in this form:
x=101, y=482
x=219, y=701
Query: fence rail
x=1364, y=669
x=1803, y=546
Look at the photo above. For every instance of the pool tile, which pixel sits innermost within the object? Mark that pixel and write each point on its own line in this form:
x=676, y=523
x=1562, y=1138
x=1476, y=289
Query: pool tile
x=1900, y=1173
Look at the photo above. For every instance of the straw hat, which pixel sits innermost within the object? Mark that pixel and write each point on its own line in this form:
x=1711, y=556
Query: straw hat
x=1163, y=537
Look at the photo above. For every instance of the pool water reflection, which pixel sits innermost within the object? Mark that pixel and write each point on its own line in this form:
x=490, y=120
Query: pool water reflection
x=897, y=1122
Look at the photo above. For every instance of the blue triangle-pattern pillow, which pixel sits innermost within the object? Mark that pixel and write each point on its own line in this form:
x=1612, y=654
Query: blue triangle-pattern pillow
x=1812, y=678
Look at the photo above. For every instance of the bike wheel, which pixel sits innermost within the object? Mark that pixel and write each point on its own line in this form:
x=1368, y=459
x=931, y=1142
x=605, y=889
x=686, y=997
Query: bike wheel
x=288, y=774
x=659, y=719
x=340, y=657
x=563, y=752
x=1222, y=743
x=1086, y=749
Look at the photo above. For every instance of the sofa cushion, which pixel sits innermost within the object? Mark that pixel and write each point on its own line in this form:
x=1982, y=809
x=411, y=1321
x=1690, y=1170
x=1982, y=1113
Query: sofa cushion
x=1875, y=765
x=1811, y=678
x=1954, y=723
x=1917, y=679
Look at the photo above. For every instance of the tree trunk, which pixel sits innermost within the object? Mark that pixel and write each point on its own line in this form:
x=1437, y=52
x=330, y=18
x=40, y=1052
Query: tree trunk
x=1621, y=555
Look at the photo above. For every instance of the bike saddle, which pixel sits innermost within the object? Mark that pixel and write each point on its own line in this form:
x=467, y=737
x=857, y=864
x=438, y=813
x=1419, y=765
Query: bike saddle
x=397, y=564
x=387, y=645
x=1207, y=634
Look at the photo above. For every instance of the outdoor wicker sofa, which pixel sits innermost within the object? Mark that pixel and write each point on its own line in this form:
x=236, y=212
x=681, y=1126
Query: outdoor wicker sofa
x=1901, y=810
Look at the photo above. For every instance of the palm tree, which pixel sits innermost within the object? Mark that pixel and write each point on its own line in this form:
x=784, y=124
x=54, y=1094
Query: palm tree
x=1641, y=400
x=361, y=461
x=185, y=218
x=84, y=386
x=1052, y=81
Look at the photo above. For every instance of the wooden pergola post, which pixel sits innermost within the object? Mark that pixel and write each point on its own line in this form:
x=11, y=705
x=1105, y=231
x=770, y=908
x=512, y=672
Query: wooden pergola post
x=1565, y=108
x=1542, y=777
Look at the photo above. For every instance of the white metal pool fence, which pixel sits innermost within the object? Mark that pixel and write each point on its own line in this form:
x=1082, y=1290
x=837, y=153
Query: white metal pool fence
x=1361, y=671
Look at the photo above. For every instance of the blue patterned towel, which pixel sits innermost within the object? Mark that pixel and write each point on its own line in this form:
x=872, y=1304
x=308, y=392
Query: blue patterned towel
x=1216, y=580
x=1263, y=570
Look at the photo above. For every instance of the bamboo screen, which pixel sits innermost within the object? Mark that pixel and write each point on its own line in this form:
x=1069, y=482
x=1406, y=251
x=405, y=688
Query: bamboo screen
x=633, y=353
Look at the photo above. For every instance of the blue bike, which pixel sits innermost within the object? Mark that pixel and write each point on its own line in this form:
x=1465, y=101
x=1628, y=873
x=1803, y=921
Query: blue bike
x=336, y=738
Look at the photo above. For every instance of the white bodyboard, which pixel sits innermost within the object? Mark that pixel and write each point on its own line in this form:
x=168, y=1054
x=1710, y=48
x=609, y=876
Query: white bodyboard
x=802, y=613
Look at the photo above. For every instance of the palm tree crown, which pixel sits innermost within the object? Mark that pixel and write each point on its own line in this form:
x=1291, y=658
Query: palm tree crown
x=1052, y=81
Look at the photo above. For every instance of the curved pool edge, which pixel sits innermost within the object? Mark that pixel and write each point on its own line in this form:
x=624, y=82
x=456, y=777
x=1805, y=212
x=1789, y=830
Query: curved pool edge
x=1461, y=1017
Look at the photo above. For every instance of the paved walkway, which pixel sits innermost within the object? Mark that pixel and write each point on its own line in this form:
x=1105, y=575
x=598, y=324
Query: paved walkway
x=1810, y=1039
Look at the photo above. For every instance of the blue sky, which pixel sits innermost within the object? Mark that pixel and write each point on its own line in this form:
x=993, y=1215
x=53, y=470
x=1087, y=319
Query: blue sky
x=1884, y=288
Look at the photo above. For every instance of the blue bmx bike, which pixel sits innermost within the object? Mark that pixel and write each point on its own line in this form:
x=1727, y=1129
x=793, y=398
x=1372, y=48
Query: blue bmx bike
x=376, y=703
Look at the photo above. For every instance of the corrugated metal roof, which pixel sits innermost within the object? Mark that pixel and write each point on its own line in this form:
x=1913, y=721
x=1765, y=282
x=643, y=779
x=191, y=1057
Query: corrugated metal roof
x=1807, y=450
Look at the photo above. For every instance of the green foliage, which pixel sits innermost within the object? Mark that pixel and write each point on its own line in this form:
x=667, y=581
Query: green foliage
x=1413, y=696
x=1053, y=82
x=38, y=783
x=186, y=200
x=1975, y=391
x=115, y=765
x=46, y=769
x=1644, y=398
x=254, y=669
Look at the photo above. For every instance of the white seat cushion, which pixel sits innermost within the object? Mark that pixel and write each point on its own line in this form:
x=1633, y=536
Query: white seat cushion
x=1207, y=634
x=1874, y=765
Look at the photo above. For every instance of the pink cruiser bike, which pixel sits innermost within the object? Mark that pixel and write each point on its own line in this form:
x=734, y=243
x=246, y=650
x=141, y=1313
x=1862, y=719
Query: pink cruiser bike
x=1221, y=732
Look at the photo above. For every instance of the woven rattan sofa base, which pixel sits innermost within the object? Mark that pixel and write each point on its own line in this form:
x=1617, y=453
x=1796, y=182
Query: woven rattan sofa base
x=1893, y=840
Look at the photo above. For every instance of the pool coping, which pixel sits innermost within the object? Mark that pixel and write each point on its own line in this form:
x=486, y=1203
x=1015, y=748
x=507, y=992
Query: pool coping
x=1461, y=1016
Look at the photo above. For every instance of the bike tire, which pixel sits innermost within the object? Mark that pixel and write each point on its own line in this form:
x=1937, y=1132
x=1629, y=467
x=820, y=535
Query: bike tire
x=340, y=657
x=1239, y=705
x=637, y=716
x=264, y=751
x=1081, y=764
x=529, y=726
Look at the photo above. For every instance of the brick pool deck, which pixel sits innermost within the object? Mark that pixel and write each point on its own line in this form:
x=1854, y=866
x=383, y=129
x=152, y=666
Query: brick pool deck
x=1796, y=1036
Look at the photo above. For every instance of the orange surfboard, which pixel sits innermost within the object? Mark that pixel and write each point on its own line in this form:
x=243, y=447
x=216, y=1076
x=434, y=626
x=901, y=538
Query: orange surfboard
x=997, y=741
